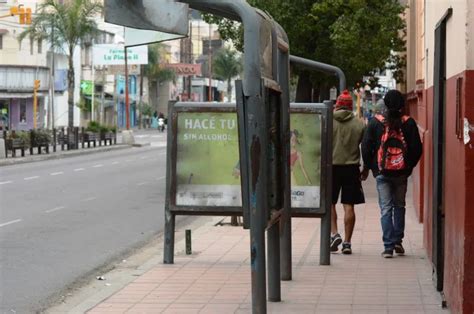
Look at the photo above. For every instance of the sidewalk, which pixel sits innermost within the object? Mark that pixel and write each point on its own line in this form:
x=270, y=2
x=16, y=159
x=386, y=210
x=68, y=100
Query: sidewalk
x=216, y=278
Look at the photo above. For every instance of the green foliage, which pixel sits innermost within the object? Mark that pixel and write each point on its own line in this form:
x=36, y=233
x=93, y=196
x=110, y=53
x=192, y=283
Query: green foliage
x=65, y=24
x=359, y=36
x=23, y=136
x=154, y=70
x=96, y=127
x=41, y=136
x=227, y=64
x=146, y=109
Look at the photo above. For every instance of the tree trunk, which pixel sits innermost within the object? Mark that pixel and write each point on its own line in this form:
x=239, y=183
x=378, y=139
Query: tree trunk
x=70, y=88
x=303, y=90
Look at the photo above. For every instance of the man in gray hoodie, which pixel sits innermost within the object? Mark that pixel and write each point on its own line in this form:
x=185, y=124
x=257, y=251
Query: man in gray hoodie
x=348, y=132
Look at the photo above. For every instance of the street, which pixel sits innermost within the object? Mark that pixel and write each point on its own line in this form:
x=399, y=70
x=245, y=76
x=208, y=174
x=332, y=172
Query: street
x=63, y=219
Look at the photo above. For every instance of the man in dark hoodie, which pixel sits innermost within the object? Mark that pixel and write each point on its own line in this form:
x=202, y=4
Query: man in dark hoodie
x=391, y=149
x=347, y=136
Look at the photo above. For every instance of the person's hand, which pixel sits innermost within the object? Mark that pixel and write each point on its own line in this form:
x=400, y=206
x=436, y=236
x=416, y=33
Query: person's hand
x=364, y=174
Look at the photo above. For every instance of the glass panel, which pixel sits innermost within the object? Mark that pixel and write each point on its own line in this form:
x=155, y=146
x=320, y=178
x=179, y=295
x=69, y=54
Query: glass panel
x=23, y=111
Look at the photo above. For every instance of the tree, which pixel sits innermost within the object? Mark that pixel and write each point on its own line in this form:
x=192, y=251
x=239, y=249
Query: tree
x=65, y=25
x=226, y=65
x=359, y=36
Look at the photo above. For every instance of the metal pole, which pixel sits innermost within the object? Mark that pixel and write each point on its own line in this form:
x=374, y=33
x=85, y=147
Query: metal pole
x=210, y=64
x=127, y=100
x=93, y=84
x=35, y=104
x=273, y=252
x=319, y=66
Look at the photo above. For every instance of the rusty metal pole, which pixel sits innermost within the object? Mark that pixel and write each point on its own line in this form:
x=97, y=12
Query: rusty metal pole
x=127, y=98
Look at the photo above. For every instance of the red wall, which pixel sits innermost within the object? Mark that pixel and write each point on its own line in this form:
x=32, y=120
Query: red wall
x=468, y=263
x=458, y=192
x=454, y=203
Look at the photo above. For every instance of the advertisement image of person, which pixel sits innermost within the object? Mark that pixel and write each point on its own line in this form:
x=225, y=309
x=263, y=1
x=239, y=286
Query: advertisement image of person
x=296, y=158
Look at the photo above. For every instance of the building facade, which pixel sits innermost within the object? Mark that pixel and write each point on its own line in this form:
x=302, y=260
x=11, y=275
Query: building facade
x=440, y=89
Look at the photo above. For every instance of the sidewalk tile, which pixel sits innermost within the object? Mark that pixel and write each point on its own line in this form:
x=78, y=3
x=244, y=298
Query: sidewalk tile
x=216, y=278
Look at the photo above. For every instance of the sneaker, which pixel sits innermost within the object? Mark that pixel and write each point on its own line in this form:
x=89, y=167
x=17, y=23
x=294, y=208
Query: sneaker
x=346, y=248
x=399, y=249
x=335, y=241
x=387, y=253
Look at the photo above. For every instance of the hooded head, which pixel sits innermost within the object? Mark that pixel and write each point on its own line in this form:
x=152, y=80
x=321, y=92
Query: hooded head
x=344, y=101
x=394, y=100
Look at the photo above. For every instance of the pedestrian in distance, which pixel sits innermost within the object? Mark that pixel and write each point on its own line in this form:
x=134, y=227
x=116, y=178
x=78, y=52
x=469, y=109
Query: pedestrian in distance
x=391, y=148
x=348, y=132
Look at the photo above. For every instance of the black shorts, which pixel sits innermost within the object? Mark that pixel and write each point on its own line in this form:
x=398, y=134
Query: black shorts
x=347, y=179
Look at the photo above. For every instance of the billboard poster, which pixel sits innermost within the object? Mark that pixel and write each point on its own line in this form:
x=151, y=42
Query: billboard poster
x=207, y=165
x=305, y=160
x=208, y=168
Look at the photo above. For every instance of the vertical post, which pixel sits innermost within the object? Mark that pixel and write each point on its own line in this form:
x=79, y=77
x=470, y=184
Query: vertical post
x=189, y=249
x=273, y=252
x=127, y=99
x=326, y=186
x=168, y=254
x=35, y=102
x=93, y=85
x=210, y=63
x=54, y=139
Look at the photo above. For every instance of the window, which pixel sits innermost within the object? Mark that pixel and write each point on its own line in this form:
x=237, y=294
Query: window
x=31, y=46
x=40, y=45
x=23, y=111
x=1, y=41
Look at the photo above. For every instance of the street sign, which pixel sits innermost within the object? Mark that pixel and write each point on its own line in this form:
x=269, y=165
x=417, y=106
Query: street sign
x=166, y=16
x=113, y=54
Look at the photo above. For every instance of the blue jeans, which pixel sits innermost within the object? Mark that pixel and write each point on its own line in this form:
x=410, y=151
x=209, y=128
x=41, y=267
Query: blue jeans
x=392, y=192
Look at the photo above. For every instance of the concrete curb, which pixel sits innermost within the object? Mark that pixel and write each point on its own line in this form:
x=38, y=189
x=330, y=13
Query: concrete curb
x=60, y=155
x=82, y=299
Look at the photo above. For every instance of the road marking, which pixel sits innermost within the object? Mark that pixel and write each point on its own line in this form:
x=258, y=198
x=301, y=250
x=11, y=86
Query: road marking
x=54, y=209
x=56, y=173
x=115, y=162
x=79, y=169
x=9, y=223
x=30, y=178
x=5, y=182
x=89, y=199
x=142, y=183
x=143, y=158
x=160, y=178
x=98, y=166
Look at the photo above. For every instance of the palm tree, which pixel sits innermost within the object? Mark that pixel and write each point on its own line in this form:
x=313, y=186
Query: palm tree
x=65, y=25
x=227, y=64
x=154, y=71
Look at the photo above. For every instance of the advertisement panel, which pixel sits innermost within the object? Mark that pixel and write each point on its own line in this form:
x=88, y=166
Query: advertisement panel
x=207, y=165
x=112, y=54
x=305, y=159
x=208, y=168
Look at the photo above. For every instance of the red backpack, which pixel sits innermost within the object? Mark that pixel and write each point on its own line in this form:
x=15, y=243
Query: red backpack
x=392, y=153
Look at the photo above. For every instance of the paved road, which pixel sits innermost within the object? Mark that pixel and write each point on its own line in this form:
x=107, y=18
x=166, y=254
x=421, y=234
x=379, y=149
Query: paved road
x=61, y=219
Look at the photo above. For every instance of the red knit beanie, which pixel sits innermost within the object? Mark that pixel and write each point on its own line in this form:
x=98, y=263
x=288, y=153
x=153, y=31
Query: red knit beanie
x=344, y=101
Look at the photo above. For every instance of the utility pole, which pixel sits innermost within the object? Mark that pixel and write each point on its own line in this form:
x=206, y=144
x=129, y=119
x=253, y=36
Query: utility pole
x=127, y=100
x=210, y=63
x=52, y=81
x=93, y=81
